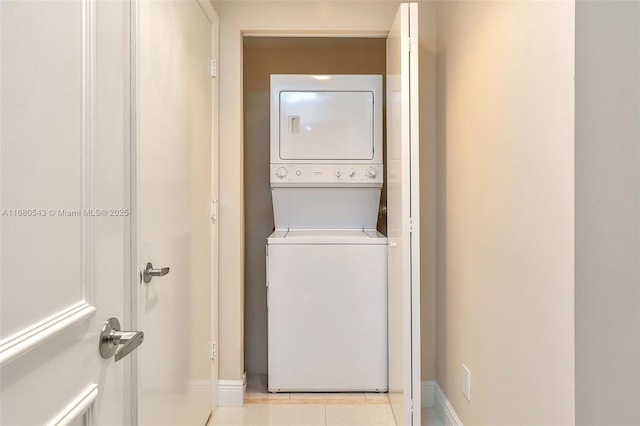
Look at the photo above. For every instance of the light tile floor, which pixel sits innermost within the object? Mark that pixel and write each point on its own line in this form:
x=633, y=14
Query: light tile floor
x=310, y=409
x=430, y=418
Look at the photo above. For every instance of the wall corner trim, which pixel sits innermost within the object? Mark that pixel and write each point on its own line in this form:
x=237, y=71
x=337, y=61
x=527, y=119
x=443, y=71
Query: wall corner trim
x=231, y=392
x=444, y=409
x=428, y=394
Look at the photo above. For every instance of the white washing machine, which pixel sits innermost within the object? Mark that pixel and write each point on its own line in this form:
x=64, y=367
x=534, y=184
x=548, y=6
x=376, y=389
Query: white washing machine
x=326, y=263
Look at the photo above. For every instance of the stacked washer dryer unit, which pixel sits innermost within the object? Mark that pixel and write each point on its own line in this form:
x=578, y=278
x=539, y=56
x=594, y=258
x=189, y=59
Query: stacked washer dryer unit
x=326, y=263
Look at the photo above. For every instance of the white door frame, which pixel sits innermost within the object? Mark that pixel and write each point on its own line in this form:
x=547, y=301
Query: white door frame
x=413, y=334
x=260, y=19
x=131, y=372
x=215, y=197
x=215, y=191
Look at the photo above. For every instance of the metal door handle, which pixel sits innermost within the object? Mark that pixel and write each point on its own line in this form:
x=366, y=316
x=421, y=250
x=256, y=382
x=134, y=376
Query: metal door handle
x=111, y=337
x=149, y=273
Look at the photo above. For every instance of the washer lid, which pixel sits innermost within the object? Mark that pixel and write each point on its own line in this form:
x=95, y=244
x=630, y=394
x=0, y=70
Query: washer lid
x=325, y=208
x=326, y=236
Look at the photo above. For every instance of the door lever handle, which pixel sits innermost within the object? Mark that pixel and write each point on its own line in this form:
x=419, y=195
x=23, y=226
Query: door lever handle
x=129, y=341
x=111, y=337
x=149, y=272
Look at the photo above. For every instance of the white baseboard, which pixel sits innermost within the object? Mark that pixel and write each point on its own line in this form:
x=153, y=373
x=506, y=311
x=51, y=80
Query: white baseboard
x=427, y=395
x=444, y=409
x=200, y=390
x=231, y=392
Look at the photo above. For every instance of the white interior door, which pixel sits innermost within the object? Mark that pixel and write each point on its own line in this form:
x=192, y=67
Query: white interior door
x=403, y=216
x=174, y=228
x=64, y=260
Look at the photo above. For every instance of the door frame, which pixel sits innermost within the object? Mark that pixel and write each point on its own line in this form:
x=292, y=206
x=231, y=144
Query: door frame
x=215, y=194
x=414, y=332
x=131, y=289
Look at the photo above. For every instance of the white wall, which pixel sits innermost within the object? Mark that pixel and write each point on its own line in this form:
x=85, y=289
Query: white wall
x=505, y=253
x=266, y=17
x=607, y=213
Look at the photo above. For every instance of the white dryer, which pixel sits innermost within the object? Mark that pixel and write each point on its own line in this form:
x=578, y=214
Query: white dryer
x=326, y=263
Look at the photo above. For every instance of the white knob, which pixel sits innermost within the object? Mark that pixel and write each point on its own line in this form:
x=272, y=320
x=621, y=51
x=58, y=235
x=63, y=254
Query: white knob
x=281, y=172
x=372, y=173
x=338, y=174
x=352, y=173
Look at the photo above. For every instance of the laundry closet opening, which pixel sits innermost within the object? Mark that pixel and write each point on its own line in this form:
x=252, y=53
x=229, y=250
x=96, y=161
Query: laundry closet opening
x=263, y=56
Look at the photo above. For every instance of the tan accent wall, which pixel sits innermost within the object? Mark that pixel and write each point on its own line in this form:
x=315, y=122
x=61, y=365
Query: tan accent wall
x=427, y=92
x=505, y=220
x=263, y=57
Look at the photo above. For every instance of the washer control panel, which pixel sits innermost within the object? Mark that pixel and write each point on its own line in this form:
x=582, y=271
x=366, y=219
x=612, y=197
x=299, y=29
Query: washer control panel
x=333, y=174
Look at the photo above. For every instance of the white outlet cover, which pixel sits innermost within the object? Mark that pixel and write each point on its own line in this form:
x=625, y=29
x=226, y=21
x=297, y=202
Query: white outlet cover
x=466, y=389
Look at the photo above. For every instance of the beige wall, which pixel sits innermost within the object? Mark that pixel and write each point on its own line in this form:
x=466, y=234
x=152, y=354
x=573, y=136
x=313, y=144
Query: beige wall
x=266, y=17
x=607, y=213
x=505, y=193
x=263, y=57
x=505, y=259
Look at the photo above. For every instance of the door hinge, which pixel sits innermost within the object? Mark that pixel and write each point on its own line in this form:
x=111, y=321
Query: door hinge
x=409, y=43
x=214, y=68
x=214, y=209
x=410, y=224
x=214, y=350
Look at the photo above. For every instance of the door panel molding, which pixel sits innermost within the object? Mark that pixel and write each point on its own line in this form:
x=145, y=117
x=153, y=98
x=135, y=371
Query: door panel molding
x=77, y=408
x=88, y=137
x=18, y=344
x=40, y=323
x=40, y=330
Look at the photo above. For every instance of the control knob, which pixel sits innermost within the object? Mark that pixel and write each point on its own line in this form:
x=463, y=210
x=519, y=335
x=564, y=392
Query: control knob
x=338, y=174
x=372, y=173
x=352, y=173
x=281, y=172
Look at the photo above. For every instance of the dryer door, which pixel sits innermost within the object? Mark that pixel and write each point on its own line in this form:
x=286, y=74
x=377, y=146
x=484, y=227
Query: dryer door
x=326, y=125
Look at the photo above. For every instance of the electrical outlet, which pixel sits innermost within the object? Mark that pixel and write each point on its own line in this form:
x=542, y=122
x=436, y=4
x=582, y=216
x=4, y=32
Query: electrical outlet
x=466, y=390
